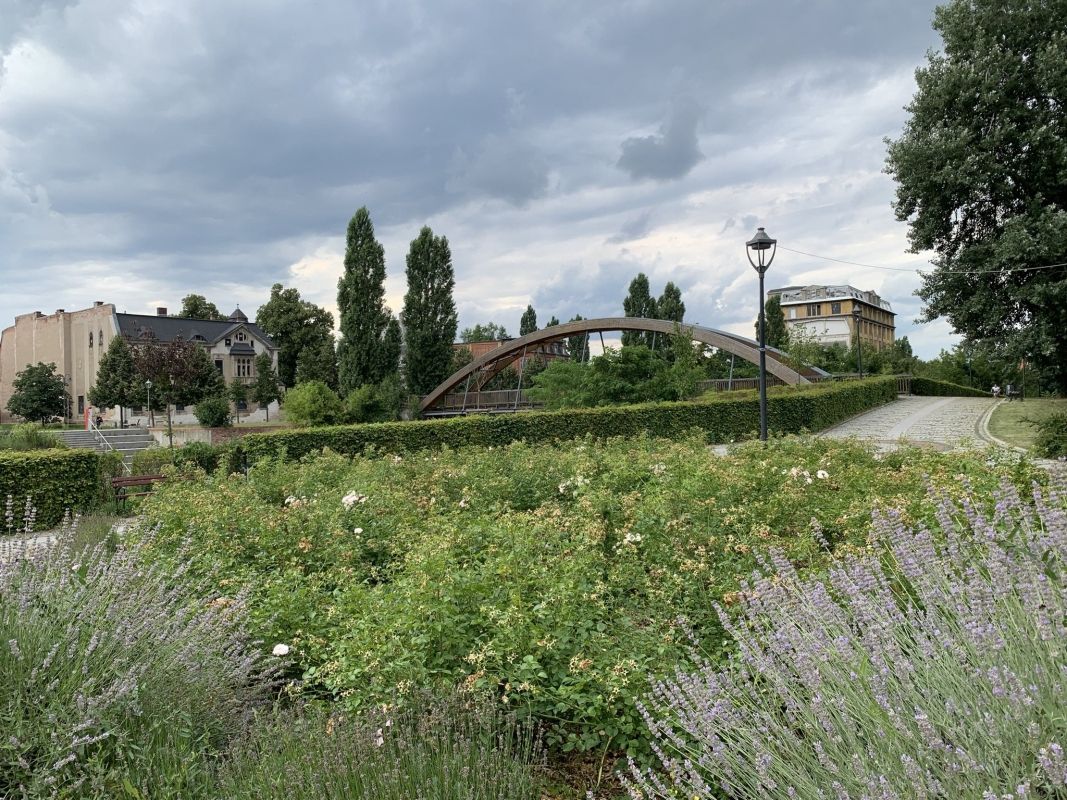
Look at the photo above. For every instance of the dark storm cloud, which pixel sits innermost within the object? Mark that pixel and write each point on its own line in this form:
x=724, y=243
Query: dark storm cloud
x=671, y=153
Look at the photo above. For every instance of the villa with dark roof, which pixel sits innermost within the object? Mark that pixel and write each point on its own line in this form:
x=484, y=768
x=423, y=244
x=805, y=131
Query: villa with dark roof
x=74, y=341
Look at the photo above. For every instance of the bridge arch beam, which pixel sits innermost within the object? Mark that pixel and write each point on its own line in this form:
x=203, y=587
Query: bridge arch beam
x=744, y=348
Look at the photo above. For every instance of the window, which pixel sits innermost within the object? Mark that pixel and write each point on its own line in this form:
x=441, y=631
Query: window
x=835, y=308
x=90, y=340
x=792, y=313
x=179, y=408
x=229, y=342
x=100, y=338
x=240, y=336
x=242, y=405
x=814, y=309
x=218, y=365
x=243, y=367
x=81, y=404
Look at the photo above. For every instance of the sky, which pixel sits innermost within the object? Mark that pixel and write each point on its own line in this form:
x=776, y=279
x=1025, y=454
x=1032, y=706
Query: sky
x=154, y=148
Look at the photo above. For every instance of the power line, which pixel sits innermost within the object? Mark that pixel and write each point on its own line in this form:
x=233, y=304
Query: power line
x=911, y=269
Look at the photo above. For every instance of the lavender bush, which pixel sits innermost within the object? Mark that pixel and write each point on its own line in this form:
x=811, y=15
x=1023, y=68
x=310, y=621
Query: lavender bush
x=116, y=679
x=936, y=668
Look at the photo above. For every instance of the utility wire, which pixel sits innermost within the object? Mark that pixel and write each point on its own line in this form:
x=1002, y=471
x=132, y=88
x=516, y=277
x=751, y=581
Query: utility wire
x=912, y=269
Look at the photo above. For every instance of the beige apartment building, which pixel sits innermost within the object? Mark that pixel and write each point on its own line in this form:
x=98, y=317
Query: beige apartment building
x=825, y=313
x=76, y=340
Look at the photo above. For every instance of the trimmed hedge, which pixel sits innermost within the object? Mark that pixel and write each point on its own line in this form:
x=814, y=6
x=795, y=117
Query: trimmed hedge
x=723, y=419
x=56, y=480
x=928, y=387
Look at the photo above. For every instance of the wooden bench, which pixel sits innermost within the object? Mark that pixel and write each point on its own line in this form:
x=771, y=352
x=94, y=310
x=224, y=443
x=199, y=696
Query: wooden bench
x=124, y=483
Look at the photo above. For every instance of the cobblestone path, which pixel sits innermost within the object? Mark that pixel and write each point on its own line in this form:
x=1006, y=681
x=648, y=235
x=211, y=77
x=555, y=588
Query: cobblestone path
x=944, y=423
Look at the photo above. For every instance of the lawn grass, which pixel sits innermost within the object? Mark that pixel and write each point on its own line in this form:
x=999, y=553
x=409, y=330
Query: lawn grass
x=1011, y=422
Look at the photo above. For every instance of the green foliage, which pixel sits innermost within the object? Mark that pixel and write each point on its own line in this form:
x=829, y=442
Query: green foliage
x=553, y=322
x=181, y=373
x=639, y=302
x=265, y=388
x=578, y=345
x=979, y=171
x=724, y=418
x=1051, y=439
x=108, y=466
x=295, y=325
x=777, y=333
x=932, y=388
x=429, y=316
x=380, y=402
x=489, y=332
x=528, y=323
x=670, y=306
x=238, y=393
x=455, y=750
x=196, y=306
x=318, y=362
x=200, y=455
x=29, y=436
x=214, y=411
x=552, y=576
x=312, y=403
x=38, y=393
x=361, y=305
x=116, y=377
x=55, y=481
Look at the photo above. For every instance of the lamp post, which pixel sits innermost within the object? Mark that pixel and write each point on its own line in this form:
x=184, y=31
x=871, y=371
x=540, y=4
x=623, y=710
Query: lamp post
x=857, y=316
x=148, y=386
x=763, y=247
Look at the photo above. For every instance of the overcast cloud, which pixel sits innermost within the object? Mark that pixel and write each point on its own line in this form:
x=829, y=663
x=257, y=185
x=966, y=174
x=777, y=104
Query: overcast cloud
x=153, y=148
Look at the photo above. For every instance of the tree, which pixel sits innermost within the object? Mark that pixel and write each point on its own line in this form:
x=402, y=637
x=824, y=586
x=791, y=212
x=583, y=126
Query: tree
x=196, y=306
x=777, y=333
x=980, y=171
x=295, y=325
x=552, y=322
x=181, y=373
x=638, y=303
x=361, y=305
x=116, y=378
x=318, y=362
x=490, y=332
x=670, y=306
x=237, y=392
x=312, y=403
x=265, y=386
x=38, y=393
x=429, y=316
x=392, y=345
x=214, y=412
x=578, y=345
x=528, y=323
x=378, y=402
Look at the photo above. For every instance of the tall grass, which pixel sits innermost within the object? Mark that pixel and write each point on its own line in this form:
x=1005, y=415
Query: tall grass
x=29, y=436
x=938, y=669
x=453, y=749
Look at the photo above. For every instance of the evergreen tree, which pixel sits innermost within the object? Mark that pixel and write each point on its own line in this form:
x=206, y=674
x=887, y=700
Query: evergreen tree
x=670, y=306
x=578, y=345
x=638, y=303
x=265, y=387
x=777, y=333
x=429, y=317
x=528, y=323
x=116, y=378
x=361, y=305
x=295, y=325
x=980, y=172
x=39, y=393
x=196, y=306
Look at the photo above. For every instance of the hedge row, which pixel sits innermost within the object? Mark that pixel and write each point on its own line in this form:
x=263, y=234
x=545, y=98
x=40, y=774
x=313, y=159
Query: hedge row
x=54, y=480
x=724, y=419
x=928, y=387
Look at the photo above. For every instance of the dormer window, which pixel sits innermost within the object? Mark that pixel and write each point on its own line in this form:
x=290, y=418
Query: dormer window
x=240, y=336
x=228, y=342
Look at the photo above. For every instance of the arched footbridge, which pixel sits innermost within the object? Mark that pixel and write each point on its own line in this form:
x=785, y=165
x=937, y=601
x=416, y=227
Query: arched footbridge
x=476, y=373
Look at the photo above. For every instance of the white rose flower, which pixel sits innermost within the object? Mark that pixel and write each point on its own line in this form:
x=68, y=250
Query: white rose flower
x=280, y=650
x=822, y=474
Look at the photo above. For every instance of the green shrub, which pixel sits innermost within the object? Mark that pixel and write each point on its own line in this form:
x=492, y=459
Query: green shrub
x=381, y=402
x=933, y=388
x=724, y=418
x=116, y=678
x=1051, y=439
x=152, y=460
x=312, y=403
x=30, y=436
x=56, y=481
x=455, y=750
x=198, y=454
x=109, y=465
x=214, y=412
x=552, y=576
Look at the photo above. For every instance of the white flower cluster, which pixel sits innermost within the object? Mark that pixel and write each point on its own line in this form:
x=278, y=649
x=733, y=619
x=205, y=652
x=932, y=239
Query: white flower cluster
x=280, y=650
x=295, y=502
x=352, y=498
x=631, y=537
x=797, y=474
x=574, y=485
x=659, y=469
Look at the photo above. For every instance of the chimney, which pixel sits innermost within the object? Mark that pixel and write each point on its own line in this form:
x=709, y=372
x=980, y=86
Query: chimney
x=59, y=310
x=97, y=303
x=161, y=311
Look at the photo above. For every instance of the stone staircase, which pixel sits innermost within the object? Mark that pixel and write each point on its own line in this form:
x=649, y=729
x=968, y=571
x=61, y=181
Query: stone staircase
x=128, y=441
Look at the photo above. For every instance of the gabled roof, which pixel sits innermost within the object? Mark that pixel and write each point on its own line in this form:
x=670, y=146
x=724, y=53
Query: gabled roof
x=166, y=329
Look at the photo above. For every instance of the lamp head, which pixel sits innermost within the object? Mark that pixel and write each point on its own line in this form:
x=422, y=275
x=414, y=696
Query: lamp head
x=763, y=248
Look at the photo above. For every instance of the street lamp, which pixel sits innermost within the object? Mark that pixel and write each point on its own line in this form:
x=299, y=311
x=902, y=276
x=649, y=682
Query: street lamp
x=148, y=386
x=857, y=316
x=764, y=247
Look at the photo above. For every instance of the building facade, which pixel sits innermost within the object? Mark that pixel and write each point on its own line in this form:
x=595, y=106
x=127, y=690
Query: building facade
x=825, y=315
x=76, y=340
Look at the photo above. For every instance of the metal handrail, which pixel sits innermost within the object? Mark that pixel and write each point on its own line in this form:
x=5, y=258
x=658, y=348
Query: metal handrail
x=109, y=446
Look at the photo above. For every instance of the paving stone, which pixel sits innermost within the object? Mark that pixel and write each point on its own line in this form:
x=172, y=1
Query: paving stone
x=945, y=423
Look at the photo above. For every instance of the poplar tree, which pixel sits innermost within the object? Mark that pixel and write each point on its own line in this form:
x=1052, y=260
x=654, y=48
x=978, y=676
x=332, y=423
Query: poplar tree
x=429, y=316
x=670, y=306
x=528, y=323
x=361, y=304
x=638, y=303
